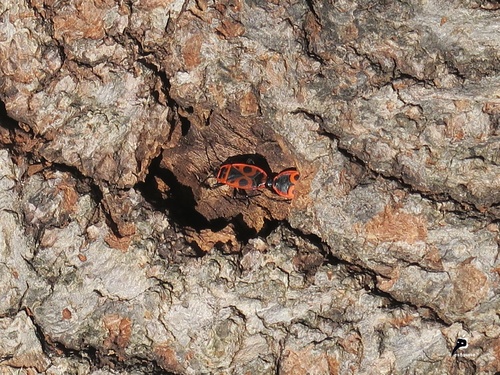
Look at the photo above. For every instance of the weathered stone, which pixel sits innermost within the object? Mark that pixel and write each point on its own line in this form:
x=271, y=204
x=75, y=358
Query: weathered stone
x=19, y=346
x=119, y=255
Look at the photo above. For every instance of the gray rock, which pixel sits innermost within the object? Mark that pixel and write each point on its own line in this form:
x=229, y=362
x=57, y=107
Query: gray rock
x=119, y=255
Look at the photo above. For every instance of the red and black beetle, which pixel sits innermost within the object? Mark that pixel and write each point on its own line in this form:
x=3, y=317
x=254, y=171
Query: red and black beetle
x=284, y=182
x=251, y=172
x=242, y=176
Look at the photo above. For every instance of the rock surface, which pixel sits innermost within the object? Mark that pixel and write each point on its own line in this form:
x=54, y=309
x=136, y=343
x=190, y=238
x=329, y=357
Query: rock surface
x=118, y=254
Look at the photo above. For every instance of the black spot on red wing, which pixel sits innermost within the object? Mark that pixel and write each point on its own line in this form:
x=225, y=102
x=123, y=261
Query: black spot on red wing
x=243, y=183
x=257, y=176
x=249, y=170
x=240, y=180
x=234, y=175
x=242, y=176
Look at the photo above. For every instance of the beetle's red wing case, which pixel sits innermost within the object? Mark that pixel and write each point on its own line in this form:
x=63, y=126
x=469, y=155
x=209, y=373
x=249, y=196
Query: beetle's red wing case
x=242, y=176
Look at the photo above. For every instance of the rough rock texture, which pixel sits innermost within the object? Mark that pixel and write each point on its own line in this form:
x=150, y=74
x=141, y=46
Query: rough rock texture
x=119, y=256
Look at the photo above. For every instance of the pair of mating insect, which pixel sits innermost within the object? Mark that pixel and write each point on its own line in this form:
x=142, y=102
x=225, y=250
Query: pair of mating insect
x=246, y=176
